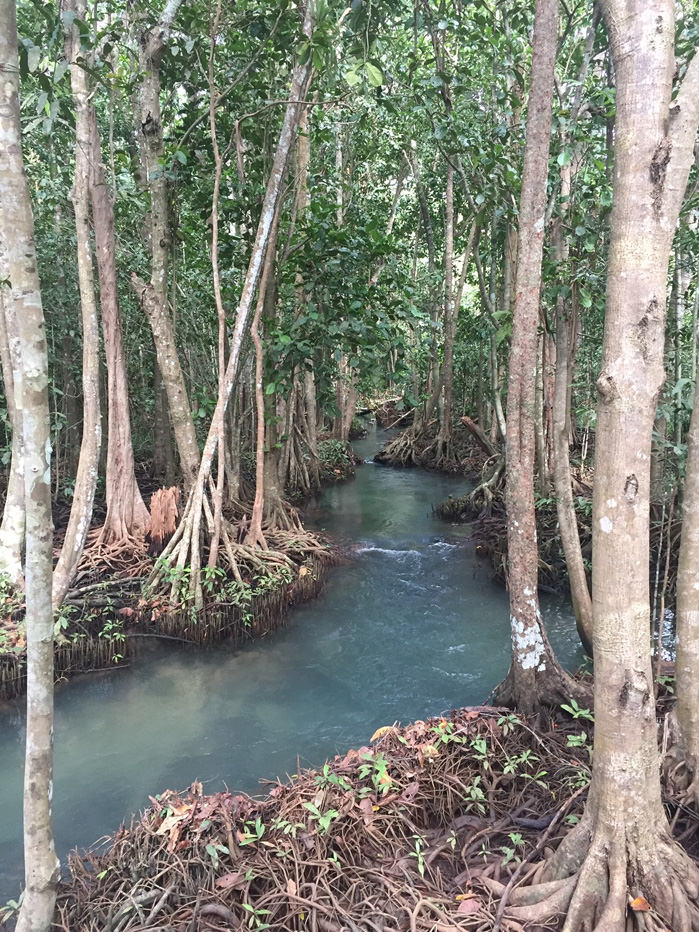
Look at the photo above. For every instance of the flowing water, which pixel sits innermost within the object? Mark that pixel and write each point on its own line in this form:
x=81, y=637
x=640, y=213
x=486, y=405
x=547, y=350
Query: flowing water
x=411, y=627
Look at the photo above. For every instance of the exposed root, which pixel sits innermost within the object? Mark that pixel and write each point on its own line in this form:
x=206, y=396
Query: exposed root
x=408, y=844
x=610, y=882
x=128, y=557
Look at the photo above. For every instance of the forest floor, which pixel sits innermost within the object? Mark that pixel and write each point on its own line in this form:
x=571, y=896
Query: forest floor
x=432, y=827
x=109, y=606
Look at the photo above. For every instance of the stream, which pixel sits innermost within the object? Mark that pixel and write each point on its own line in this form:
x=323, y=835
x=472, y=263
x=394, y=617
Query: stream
x=412, y=627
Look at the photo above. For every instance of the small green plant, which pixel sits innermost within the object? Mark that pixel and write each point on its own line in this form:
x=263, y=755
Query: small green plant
x=510, y=852
x=376, y=770
x=475, y=797
x=11, y=908
x=668, y=682
x=328, y=778
x=256, y=917
x=288, y=828
x=508, y=723
x=479, y=746
x=577, y=741
x=418, y=854
x=253, y=832
x=576, y=712
x=324, y=819
x=214, y=851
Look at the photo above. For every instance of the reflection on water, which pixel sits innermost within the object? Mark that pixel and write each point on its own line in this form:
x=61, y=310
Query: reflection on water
x=412, y=626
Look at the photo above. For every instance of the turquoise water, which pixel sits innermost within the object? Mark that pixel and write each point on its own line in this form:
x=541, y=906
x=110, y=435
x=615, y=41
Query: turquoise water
x=410, y=627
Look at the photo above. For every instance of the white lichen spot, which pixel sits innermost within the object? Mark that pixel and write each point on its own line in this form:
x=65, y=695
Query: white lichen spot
x=527, y=644
x=611, y=503
x=605, y=524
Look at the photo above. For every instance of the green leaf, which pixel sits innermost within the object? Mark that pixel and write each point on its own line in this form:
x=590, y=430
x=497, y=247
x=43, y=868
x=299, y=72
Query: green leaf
x=352, y=78
x=585, y=298
x=374, y=74
x=270, y=389
x=60, y=69
x=33, y=56
x=563, y=157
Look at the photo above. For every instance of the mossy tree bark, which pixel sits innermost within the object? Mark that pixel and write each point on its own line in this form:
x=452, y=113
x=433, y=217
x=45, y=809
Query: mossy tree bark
x=18, y=252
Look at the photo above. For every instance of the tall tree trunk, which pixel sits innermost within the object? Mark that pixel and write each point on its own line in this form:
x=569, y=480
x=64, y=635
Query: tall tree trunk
x=535, y=678
x=562, y=476
x=18, y=256
x=153, y=295
x=622, y=847
x=444, y=455
x=12, y=527
x=88, y=463
x=127, y=516
x=687, y=708
x=184, y=546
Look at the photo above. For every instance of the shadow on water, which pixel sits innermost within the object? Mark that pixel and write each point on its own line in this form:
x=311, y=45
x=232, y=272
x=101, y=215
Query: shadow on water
x=412, y=626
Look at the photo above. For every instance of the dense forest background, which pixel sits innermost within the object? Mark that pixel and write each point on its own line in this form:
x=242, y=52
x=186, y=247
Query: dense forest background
x=253, y=222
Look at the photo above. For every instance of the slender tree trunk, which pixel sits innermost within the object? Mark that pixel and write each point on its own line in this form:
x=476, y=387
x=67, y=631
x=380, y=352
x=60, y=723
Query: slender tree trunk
x=562, y=476
x=18, y=256
x=71, y=395
x=183, y=547
x=12, y=527
x=687, y=708
x=535, y=678
x=444, y=445
x=622, y=847
x=127, y=516
x=153, y=295
x=88, y=463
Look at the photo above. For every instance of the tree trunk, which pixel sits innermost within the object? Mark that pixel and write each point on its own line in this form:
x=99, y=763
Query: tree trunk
x=88, y=463
x=622, y=846
x=444, y=455
x=535, y=678
x=127, y=516
x=153, y=296
x=163, y=452
x=12, y=527
x=18, y=256
x=687, y=708
x=562, y=476
x=184, y=548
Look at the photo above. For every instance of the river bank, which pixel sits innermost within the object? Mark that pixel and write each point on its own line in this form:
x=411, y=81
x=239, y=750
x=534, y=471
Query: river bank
x=109, y=609
x=411, y=626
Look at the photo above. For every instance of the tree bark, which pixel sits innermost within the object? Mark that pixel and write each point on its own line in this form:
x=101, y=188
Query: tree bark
x=562, y=476
x=127, y=515
x=12, y=527
x=18, y=256
x=535, y=678
x=88, y=463
x=687, y=658
x=153, y=296
x=622, y=846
